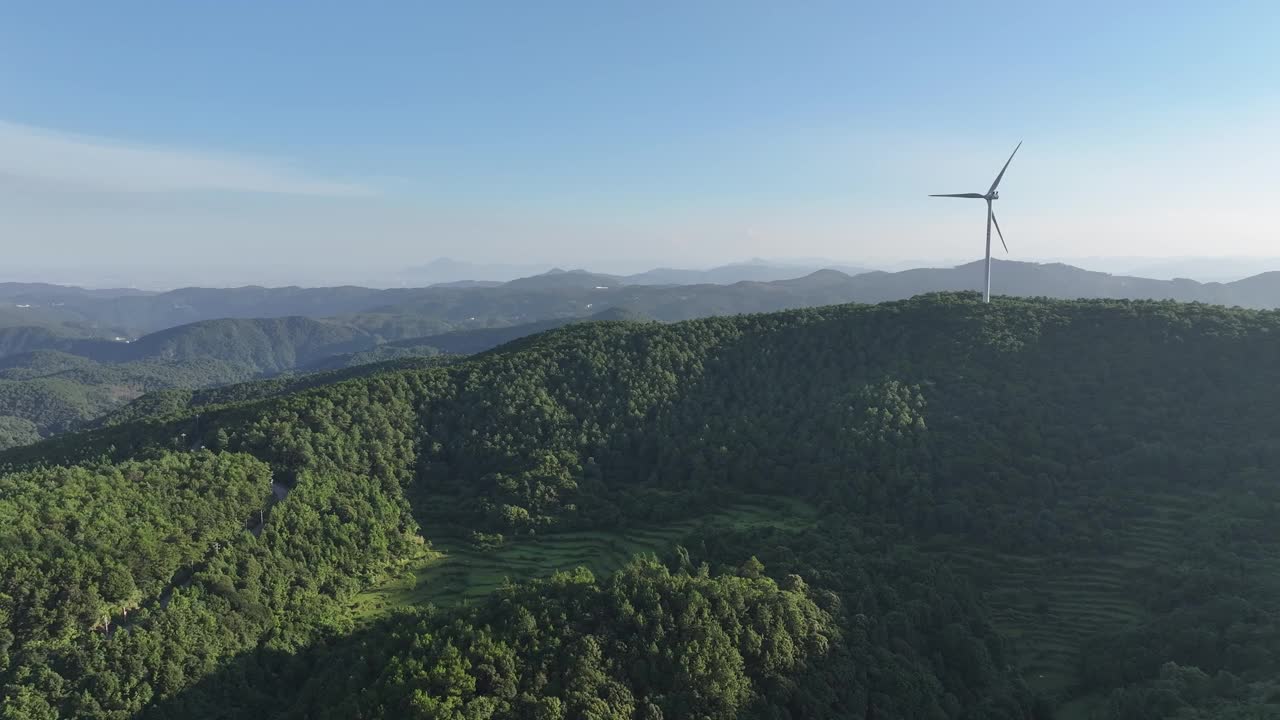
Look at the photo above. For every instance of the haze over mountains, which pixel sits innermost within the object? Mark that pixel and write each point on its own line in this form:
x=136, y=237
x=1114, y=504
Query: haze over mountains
x=72, y=355
x=662, y=294
x=459, y=273
x=441, y=271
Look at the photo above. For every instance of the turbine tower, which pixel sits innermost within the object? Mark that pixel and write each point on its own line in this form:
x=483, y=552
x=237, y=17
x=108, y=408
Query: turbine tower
x=991, y=217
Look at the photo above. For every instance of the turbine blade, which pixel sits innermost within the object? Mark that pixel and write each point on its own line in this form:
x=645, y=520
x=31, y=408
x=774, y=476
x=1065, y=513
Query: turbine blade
x=977, y=196
x=997, y=224
x=996, y=184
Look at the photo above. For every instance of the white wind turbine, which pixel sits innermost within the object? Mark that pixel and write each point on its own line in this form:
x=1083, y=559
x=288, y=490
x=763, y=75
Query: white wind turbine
x=991, y=217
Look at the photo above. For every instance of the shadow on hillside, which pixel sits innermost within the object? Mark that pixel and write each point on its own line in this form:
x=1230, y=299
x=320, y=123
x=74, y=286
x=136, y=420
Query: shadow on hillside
x=278, y=684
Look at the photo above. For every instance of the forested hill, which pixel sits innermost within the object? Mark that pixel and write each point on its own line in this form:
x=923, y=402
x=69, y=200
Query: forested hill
x=179, y=401
x=928, y=508
x=266, y=345
x=50, y=384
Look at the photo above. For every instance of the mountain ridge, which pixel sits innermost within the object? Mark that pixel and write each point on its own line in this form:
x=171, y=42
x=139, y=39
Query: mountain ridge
x=426, y=322
x=151, y=312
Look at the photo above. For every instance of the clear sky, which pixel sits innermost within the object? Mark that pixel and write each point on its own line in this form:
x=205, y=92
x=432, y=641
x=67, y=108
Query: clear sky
x=618, y=135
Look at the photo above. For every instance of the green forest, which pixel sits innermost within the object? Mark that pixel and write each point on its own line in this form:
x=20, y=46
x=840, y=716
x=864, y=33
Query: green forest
x=52, y=382
x=930, y=508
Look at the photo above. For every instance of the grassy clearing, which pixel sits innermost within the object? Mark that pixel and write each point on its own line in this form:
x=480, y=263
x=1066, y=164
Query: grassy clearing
x=455, y=571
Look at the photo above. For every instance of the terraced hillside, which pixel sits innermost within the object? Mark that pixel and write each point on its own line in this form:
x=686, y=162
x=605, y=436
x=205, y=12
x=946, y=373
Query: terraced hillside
x=1048, y=606
x=456, y=570
x=1051, y=607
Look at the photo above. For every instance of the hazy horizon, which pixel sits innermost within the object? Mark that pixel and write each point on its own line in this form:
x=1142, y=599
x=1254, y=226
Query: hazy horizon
x=437, y=270
x=200, y=137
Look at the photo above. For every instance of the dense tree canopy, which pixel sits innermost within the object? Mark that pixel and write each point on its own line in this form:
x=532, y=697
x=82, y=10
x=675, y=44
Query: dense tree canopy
x=963, y=458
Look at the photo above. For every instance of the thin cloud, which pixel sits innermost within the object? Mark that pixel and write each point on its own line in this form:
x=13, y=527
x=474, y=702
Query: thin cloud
x=82, y=162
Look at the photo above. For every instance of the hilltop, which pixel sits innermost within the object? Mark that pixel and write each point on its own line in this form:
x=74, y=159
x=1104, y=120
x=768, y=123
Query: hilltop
x=978, y=511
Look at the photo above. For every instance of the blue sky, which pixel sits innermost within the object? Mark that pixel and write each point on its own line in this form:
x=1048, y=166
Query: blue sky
x=615, y=135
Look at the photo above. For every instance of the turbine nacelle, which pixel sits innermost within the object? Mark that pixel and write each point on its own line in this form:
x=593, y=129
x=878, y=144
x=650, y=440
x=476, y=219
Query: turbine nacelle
x=993, y=195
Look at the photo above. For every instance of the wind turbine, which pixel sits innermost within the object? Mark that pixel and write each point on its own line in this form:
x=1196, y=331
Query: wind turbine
x=991, y=217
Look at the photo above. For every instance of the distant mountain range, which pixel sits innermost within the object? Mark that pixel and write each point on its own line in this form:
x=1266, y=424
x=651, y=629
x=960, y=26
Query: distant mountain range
x=454, y=273
x=752, y=271
x=443, y=271
x=69, y=355
x=395, y=314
